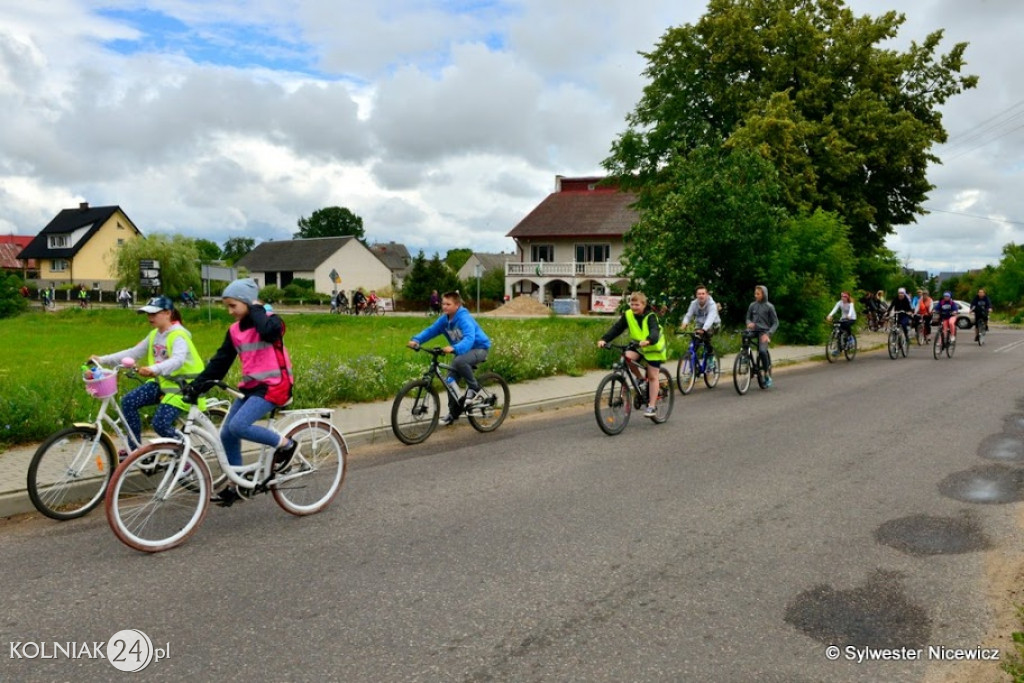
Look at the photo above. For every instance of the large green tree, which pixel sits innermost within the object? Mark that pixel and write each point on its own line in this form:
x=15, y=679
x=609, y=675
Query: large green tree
x=237, y=247
x=806, y=84
x=456, y=258
x=209, y=251
x=178, y=257
x=333, y=221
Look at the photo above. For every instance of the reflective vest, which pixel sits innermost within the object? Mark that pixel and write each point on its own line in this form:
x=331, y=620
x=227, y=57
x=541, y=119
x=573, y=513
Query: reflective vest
x=193, y=366
x=259, y=360
x=638, y=333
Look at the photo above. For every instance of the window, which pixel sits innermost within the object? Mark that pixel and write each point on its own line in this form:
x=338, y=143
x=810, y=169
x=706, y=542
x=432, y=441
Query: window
x=542, y=252
x=593, y=253
x=58, y=265
x=59, y=241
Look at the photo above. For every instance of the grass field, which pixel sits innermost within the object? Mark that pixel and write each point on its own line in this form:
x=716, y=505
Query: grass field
x=337, y=359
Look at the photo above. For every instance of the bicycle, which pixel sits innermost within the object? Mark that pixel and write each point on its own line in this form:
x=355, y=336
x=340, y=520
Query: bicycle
x=416, y=409
x=944, y=343
x=160, y=494
x=981, y=321
x=692, y=365
x=619, y=392
x=70, y=471
x=841, y=341
x=898, y=343
x=748, y=364
x=49, y=303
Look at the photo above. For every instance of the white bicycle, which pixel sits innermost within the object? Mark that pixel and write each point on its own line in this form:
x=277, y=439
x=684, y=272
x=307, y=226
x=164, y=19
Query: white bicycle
x=159, y=496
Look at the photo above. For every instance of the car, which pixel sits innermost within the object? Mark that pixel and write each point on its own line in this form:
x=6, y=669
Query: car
x=964, y=317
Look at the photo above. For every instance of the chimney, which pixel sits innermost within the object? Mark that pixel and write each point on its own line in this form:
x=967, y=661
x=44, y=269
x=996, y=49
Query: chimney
x=83, y=206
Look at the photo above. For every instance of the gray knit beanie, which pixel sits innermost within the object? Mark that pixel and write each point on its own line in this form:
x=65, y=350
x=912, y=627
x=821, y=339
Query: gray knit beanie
x=243, y=290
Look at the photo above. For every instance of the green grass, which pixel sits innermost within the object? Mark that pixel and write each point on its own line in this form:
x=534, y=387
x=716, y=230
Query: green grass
x=337, y=359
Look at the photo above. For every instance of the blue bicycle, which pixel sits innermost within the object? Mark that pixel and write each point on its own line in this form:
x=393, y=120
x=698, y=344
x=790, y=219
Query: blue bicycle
x=693, y=364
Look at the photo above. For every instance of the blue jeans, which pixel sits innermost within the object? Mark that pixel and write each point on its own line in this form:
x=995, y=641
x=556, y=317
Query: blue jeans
x=149, y=394
x=462, y=367
x=239, y=425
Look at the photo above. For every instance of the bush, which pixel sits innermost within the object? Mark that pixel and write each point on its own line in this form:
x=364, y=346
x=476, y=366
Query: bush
x=11, y=301
x=271, y=293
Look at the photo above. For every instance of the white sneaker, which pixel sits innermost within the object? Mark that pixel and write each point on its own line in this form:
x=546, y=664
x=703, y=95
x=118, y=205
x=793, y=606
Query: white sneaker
x=651, y=411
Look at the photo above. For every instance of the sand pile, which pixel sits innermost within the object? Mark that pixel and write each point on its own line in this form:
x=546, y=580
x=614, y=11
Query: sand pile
x=522, y=305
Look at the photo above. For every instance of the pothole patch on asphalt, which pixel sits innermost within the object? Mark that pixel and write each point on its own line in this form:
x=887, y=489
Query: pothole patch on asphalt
x=987, y=484
x=877, y=614
x=927, y=535
x=1015, y=424
x=1002, y=448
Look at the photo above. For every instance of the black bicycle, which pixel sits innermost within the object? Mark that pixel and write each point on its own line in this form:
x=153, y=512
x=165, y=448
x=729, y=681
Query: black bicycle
x=899, y=342
x=748, y=364
x=693, y=364
x=981, y=322
x=944, y=343
x=416, y=410
x=841, y=341
x=619, y=392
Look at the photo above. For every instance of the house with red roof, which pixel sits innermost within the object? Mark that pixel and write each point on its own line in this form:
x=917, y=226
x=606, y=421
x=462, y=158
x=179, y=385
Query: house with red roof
x=570, y=245
x=10, y=247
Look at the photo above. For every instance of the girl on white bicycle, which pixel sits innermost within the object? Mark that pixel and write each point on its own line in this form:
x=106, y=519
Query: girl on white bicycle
x=257, y=340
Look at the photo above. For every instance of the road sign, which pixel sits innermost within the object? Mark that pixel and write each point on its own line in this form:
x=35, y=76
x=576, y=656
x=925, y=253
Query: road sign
x=149, y=263
x=335, y=278
x=153, y=282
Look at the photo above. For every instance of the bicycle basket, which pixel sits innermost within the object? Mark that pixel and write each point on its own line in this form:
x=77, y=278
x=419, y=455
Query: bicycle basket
x=102, y=387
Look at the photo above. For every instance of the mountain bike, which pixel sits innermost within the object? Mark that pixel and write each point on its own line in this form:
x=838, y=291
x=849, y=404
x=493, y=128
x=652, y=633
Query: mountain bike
x=70, y=471
x=619, y=392
x=416, y=409
x=841, y=341
x=748, y=364
x=160, y=494
x=693, y=364
x=898, y=343
x=944, y=343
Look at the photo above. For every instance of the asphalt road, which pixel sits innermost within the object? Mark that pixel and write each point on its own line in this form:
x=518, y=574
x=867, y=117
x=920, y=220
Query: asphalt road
x=857, y=504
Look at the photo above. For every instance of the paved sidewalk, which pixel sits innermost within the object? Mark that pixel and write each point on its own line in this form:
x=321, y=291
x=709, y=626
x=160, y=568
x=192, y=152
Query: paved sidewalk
x=365, y=423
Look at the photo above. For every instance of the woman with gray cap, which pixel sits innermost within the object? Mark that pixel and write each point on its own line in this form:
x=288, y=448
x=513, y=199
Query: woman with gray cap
x=257, y=339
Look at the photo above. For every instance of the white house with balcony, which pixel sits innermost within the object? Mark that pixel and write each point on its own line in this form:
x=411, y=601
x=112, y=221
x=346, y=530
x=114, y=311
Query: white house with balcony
x=570, y=246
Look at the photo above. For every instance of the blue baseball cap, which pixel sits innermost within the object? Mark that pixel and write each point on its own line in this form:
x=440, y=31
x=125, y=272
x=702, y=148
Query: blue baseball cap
x=157, y=304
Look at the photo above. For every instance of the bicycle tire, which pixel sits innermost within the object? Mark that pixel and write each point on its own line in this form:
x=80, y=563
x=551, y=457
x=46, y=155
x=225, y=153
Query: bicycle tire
x=712, y=370
x=950, y=348
x=982, y=331
x=317, y=470
x=613, y=404
x=937, y=345
x=893, y=344
x=379, y=309
x=666, y=397
x=850, y=347
x=69, y=473
x=742, y=372
x=149, y=507
x=415, y=412
x=685, y=373
x=488, y=416
x=832, y=348
x=904, y=345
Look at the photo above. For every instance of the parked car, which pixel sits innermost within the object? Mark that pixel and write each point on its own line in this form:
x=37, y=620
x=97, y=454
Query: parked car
x=964, y=317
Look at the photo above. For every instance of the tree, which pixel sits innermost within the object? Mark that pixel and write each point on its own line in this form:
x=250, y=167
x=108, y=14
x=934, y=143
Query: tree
x=848, y=125
x=334, y=221
x=208, y=250
x=426, y=276
x=177, y=255
x=492, y=285
x=237, y=247
x=456, y=258
x=11, y=301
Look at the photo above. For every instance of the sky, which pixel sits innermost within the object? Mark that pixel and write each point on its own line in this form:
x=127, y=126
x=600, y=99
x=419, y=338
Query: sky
x=441, y=123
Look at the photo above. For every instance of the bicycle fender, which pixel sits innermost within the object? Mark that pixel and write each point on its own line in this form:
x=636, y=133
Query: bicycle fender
x=165, y=440
x=103, y=435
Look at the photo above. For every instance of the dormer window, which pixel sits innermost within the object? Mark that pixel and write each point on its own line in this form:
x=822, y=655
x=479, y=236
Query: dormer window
x=59, y=241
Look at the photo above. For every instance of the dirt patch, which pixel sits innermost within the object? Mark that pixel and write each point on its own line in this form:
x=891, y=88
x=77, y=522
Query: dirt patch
x=521, y=305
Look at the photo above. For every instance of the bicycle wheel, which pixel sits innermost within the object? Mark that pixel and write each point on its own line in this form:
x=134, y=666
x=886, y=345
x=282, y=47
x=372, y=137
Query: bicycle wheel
x=894, y=344
x=742, y=371
x=904, y=345
x=685, y=374
x=379, y=309
x=69, y=472
x=950, y=348
x=666, y=396
x=158, y=497
x=317, y=469
x=832, y=348
x=937, y=345
x=612, y=404
x=712, y=370
x=850, y=347
x=414, y=413
x=488, y=415
x=982, y=331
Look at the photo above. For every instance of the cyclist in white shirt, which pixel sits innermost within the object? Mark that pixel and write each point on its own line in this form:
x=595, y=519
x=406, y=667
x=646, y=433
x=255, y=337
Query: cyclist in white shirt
x=847, y=315
x=704, y=312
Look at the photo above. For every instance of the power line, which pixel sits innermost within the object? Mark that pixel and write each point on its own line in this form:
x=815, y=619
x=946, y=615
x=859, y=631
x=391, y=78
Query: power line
x=972, y=215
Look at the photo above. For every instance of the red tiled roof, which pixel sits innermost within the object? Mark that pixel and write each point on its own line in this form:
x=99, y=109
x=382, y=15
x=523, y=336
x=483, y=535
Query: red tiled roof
x=603, y=212
x=9, y=255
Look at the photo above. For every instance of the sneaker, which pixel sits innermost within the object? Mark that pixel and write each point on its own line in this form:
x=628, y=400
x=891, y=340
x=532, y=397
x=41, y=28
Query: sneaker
x=283, y=455
x=650, y=411
x=448, y=420
x=226, y=498
x=473, y=398
x=768, y=382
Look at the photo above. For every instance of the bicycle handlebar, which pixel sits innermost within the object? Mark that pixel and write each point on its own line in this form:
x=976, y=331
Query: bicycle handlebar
x=433, y=351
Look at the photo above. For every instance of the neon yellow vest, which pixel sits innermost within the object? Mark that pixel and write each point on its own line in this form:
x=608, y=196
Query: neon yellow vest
x=655, y=351
x=193, y=366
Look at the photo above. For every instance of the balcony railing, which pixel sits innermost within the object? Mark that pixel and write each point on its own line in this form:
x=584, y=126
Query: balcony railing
x=570, y=269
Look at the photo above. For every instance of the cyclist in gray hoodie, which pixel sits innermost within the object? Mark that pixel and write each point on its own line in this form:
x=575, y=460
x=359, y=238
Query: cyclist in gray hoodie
x=762, y=319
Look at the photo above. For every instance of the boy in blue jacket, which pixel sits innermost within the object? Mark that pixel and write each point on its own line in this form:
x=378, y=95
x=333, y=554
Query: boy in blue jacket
x=466, y=340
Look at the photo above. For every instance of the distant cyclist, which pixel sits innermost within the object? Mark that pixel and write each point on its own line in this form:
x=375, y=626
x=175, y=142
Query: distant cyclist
x=901, y=307
x=982, y=306
x=847, y=315
x=948, y=309
x=924, y=309
x=762, y=318
x=704, y=312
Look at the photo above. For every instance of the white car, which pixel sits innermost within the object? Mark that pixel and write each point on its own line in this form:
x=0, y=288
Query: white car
x=964, y=317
